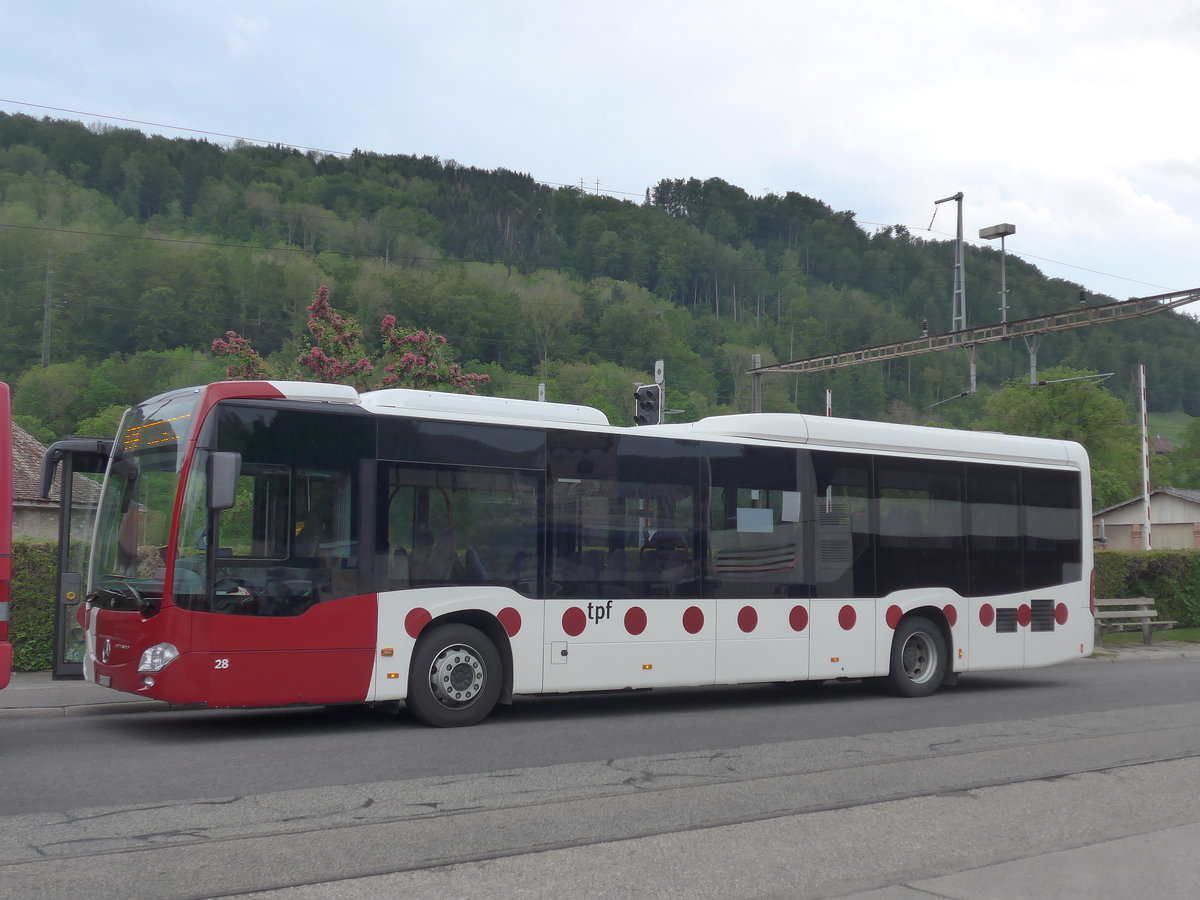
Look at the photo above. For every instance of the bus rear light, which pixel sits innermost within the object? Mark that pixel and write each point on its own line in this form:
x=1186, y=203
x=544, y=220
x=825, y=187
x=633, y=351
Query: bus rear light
x=157, y=658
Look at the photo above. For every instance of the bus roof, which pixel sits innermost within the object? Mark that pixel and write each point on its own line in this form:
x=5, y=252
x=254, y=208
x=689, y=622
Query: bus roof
x=794, y=428
x=860, y=434
x=430, y=403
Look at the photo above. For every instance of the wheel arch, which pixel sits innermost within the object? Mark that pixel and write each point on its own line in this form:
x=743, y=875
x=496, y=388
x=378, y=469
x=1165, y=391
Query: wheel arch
x=486, y=622
x=936, y=615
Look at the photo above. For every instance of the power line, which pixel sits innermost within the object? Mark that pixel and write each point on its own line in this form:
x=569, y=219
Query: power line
x=251, y=140
x=1020, y=254
x=347, y=154
x=184, y=128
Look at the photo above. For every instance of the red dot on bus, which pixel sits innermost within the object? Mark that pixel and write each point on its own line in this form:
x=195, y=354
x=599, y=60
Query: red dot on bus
x=1024, y=615
x=847, y=617
x=693, y=619
x=987, y=615
x=635, y=620
x=416, y=620
x=894, y=614
x=510, y=619
x=798, y=618
x=1060, y=614
x=951, y=614
x=747, y=619
x=574, y=620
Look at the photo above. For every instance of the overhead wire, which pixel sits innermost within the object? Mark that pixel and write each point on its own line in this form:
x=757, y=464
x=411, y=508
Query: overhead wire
x=346, y=154
x=398, y=257
x=251, y=140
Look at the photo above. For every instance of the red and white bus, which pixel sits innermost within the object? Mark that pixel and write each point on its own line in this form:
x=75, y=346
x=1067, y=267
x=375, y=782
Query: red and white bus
x=272, y=543
x=6, y=512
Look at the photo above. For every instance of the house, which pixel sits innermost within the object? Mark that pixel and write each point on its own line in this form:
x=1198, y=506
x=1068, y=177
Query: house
x=36, y=518
x=1174, y=522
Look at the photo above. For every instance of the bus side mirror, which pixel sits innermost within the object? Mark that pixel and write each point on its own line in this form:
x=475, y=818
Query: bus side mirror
x=223, y=471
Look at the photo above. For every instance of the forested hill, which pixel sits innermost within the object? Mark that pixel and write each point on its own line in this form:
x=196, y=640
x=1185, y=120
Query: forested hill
x=143, y=249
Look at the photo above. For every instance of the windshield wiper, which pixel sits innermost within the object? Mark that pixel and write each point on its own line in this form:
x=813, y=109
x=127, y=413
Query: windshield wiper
x=129, y=600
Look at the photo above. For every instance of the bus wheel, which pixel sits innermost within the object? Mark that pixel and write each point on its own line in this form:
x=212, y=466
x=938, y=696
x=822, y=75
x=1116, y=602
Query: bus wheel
x=919, y=658
x=455, y=678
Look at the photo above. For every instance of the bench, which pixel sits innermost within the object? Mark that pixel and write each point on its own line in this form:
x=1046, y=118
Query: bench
x=1125, y=612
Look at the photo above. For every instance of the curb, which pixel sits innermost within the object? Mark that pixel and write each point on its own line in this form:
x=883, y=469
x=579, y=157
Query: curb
x=90, y=709
x=1109, y=656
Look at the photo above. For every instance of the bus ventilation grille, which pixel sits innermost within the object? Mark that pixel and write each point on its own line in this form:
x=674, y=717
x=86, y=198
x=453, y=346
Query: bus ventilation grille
x=1043, y=615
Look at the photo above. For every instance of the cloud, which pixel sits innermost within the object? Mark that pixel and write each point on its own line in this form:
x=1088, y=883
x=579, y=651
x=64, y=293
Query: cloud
x=1070, y=119
x=243, y=32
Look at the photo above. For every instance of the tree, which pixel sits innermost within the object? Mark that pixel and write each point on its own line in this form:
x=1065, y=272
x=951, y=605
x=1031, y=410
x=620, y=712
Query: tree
x=104, y=423
x=1078, y=409
x=1184, y=468
x=52, y=395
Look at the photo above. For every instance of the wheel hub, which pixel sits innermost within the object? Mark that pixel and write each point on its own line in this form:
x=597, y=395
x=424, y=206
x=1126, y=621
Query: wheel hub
x=456, y=676
x=919, y=658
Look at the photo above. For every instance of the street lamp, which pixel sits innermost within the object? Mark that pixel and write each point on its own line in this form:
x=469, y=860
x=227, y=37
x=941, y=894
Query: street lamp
x=989, y=234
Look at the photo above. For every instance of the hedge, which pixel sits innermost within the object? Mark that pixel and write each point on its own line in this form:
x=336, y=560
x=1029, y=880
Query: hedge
x=31, y=616
x=1171, y=577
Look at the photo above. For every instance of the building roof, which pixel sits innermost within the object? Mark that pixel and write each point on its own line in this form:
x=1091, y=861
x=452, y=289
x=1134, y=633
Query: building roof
x=27, y=453
x=1181, y=493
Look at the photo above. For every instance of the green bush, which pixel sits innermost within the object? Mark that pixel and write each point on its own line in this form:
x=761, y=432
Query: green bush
x=1171, y=577
x=31, y=628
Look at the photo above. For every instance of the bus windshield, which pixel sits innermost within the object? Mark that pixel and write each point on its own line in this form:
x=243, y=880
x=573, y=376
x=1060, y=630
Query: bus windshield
x=134, y=518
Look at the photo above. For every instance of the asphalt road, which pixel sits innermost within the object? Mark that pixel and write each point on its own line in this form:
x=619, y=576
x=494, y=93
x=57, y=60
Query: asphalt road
x=764, y=791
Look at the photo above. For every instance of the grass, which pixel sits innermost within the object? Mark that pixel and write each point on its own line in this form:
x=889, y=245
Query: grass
x=1134, y=636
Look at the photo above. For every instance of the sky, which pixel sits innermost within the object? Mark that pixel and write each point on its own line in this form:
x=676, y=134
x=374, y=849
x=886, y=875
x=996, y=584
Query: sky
x=1073, y=121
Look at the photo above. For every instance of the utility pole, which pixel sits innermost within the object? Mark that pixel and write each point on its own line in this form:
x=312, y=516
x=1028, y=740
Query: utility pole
x=958, y=315
x=756, y=382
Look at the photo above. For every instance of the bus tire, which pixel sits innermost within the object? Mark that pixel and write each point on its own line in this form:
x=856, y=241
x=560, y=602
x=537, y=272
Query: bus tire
x=919, y=658
x=455, y=677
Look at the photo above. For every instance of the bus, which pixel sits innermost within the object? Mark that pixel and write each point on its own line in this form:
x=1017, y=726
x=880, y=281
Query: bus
x=6, y=515
x=273, y=543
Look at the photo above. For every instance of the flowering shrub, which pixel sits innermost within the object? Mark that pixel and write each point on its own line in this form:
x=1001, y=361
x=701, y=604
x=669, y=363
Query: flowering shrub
x=337, y=355
x=247, y=365
x=410, y=357
x=413, y=357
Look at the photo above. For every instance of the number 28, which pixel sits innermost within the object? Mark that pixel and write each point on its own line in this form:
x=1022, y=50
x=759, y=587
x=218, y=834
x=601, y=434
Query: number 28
x=220, y=663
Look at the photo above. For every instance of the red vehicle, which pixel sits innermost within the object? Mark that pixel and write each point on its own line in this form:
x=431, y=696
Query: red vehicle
x=6, y=510
x=270, y=543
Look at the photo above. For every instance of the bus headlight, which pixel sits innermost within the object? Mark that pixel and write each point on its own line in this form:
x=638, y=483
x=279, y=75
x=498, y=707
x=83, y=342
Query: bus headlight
x=157, y=658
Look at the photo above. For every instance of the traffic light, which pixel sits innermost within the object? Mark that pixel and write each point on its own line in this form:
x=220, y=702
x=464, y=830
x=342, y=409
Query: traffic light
x=647, y=405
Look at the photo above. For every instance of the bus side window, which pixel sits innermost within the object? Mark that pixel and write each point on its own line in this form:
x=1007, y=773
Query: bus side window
x=398, y=568
x=844, y=539
x=457, y=525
